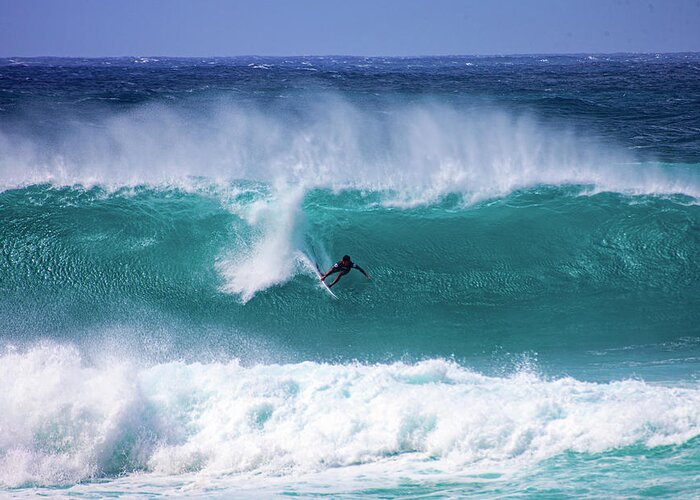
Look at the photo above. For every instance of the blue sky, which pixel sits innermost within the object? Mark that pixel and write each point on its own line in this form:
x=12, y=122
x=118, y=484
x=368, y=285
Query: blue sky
x=96, y=28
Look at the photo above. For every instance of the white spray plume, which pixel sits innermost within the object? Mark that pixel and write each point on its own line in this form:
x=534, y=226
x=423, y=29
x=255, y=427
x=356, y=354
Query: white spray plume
x=419, y=151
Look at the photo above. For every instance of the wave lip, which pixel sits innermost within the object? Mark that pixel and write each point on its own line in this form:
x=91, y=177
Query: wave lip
x=65, y=422
x=421, y=151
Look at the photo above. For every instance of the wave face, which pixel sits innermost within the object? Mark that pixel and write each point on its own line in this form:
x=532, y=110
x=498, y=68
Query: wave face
x=546, y=270
x=530, y=225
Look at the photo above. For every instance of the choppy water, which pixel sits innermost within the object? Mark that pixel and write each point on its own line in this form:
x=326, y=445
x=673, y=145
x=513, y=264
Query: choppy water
x=531, y=226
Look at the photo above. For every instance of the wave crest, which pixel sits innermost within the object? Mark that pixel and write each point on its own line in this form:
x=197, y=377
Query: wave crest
x=420, y=151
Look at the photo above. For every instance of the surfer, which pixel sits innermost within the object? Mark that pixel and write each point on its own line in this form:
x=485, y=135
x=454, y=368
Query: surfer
x=342, y=267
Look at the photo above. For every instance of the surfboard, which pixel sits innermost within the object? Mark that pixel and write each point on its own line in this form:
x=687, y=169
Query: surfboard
x=323, y=283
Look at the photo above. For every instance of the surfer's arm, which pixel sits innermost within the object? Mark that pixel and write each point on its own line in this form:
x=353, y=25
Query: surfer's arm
x=332, y=270
x=362, y=271
x=335, y=280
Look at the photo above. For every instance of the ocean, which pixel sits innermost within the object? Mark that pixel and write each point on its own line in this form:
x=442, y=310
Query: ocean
x=530, y=224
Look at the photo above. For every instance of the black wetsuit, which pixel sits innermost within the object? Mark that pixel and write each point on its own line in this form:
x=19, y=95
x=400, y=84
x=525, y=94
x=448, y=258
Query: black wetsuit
x=345, y=267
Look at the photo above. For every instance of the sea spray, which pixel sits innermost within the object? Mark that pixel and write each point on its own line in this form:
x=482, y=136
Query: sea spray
x=420, y=151
x=272, y=251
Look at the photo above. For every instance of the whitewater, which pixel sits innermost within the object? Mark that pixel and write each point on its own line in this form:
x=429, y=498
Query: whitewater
x=531, y=226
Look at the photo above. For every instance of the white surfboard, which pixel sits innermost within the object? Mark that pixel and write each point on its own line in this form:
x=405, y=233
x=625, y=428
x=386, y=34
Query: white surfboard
x=323, y=283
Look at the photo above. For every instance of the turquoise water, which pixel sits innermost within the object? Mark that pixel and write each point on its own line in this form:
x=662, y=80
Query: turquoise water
x=577, y=279
x=532, y=232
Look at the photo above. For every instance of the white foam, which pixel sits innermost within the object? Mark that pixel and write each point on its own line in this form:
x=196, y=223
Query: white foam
x=420, y=151
x=63, y=421
x=272, y=254
x=60, y=421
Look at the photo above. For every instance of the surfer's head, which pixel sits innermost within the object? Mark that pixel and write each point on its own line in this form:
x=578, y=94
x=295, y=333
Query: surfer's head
x=346, y=258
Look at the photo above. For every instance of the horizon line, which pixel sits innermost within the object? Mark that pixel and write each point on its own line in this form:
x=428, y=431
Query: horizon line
x=509, y=54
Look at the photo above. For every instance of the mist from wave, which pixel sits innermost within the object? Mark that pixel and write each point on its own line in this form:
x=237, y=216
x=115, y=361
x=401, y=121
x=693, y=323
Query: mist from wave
x=418, y=151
